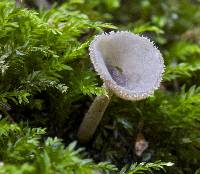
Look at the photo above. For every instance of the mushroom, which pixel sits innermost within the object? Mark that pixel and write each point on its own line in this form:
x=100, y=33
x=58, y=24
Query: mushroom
x=130, y=66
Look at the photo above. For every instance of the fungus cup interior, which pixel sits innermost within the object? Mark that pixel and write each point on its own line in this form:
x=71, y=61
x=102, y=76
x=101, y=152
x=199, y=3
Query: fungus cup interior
x=128, y=63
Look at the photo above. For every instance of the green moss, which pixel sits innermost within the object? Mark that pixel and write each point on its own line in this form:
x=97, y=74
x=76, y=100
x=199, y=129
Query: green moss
x=46, y=80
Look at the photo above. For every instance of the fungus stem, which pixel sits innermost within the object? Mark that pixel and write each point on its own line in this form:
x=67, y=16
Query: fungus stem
x=93, y=117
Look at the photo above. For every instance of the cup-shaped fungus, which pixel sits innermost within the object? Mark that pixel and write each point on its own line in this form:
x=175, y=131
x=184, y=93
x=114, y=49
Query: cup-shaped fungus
x=130, y=66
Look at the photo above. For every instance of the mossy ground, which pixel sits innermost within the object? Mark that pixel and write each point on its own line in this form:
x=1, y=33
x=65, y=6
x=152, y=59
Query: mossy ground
x=47, y=81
